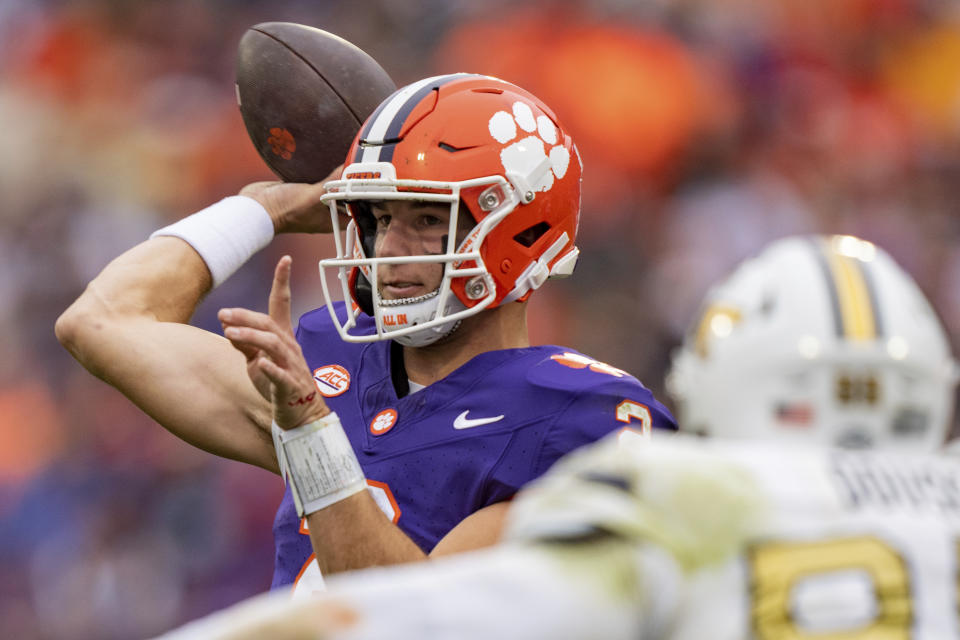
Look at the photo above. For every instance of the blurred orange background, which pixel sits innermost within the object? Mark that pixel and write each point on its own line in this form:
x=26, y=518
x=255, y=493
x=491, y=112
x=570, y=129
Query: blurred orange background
x=707, y=128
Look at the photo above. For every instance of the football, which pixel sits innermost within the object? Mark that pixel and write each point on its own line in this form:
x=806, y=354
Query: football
x=303, y=94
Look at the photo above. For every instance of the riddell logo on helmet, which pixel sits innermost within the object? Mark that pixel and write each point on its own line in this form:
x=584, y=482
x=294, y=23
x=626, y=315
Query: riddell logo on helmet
x=395, y=320
x=467, y=245
x=363, y=175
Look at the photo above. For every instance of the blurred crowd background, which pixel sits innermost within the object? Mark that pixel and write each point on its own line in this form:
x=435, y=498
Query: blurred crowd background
x=707, y=128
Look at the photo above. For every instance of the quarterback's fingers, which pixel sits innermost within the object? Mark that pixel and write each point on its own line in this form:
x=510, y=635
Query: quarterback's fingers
x=295, y=400
x=248, y=351
x=238, y=316
x=271, y=344
x=334, y=175
x=245, y=318
x=255, y=188
x=259, y=379
x=279, y=303
x=277, y=375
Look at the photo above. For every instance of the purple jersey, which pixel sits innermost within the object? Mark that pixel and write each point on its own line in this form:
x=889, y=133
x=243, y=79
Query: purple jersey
x=467, y=441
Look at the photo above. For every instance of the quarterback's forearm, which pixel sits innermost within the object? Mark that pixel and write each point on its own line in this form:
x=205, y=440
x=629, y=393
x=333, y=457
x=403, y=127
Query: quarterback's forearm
x=355, y=533
x=339, y=548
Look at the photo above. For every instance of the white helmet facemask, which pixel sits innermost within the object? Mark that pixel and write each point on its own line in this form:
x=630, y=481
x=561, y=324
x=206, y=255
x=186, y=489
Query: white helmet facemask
x=424, y=319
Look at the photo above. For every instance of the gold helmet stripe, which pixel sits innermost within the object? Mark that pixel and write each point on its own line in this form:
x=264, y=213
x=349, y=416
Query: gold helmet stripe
x=855, y=303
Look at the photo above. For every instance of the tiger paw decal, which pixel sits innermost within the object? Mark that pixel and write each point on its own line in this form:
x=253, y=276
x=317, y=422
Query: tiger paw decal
x=526, y=154
x=578, y=361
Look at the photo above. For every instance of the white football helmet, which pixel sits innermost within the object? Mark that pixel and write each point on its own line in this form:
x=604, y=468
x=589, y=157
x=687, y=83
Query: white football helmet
x=822, y=340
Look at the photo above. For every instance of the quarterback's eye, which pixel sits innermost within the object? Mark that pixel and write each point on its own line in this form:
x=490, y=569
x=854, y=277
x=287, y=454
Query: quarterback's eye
x=383, y=220
x=428, y=220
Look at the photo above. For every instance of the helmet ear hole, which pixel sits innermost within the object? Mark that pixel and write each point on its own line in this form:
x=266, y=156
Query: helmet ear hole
x=366, y=224
x=362, y=291
x=531, y=234
x=467, y=222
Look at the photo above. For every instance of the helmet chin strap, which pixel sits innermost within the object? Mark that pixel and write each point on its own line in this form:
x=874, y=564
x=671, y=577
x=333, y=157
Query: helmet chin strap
x=409, y=312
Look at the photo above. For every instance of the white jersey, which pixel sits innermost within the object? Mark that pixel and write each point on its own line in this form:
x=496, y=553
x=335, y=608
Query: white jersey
x=768, y=542
x=677, y=539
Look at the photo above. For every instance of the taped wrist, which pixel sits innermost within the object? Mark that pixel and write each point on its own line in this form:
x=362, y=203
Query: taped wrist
x=225, y=234
x=316, y=459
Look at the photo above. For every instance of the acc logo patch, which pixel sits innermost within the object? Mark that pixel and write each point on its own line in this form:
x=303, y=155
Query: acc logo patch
x=577, y=361
x=332, y=380
x=383, y=422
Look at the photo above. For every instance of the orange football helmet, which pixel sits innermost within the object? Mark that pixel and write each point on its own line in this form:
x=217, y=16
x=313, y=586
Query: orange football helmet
x=477, y=143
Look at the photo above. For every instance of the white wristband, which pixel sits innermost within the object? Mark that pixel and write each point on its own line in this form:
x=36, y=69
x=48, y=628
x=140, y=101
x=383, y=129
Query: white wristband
x=319, y=463
x=225, y=234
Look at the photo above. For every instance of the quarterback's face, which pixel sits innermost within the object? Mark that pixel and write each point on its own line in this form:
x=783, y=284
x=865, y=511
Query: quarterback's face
x=412, y=228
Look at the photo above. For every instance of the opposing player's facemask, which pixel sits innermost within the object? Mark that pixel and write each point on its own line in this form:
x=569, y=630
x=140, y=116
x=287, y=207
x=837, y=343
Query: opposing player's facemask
x=498, y=158
x=822, y=340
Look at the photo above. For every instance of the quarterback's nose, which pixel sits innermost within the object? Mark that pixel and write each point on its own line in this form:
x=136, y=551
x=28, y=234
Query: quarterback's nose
x=399, y=239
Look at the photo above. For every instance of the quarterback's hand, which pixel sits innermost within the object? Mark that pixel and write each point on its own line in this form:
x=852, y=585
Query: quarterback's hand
x=294, y=207
x=275, y=362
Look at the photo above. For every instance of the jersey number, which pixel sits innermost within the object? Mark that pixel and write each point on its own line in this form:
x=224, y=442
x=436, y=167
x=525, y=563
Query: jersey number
x=788, y=580
x=629, y=410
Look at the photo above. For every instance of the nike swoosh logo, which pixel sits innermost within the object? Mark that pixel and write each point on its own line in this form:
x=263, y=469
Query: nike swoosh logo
x=463, y=422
